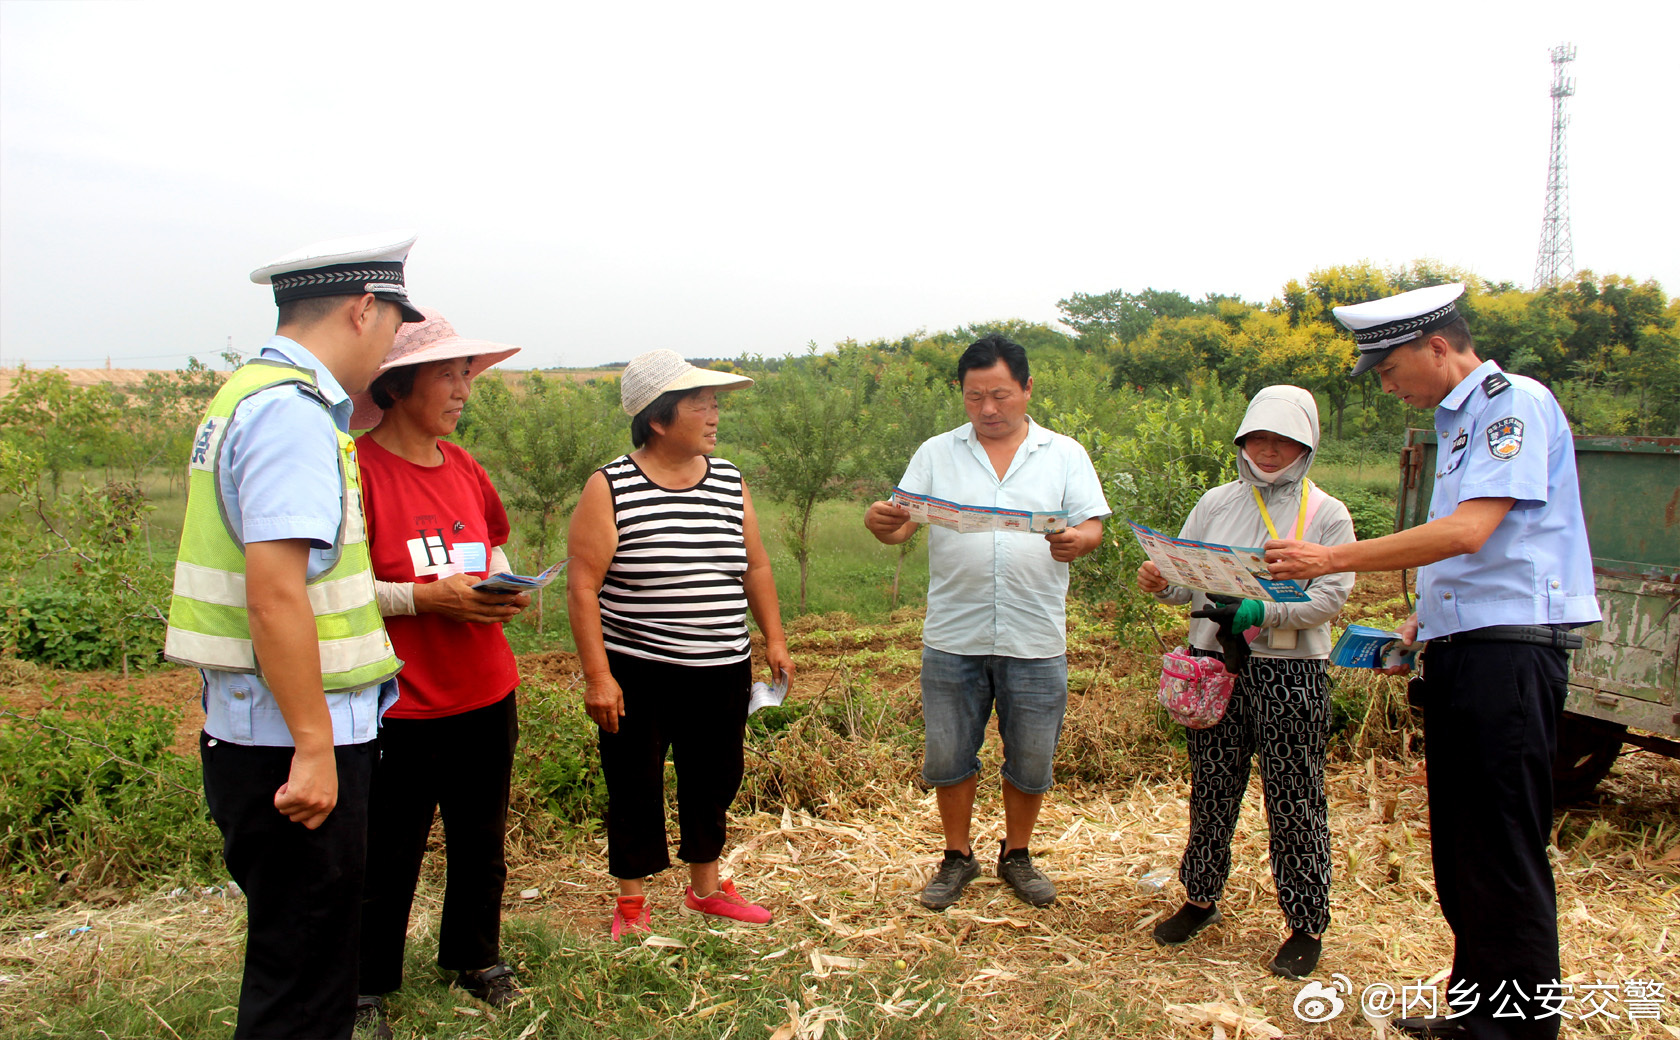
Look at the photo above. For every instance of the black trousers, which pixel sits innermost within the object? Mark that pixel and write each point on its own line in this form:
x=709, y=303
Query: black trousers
x=1490, y=722
x=1280, y=714
x=699, y=714
x=459, y=766
x=302, y=888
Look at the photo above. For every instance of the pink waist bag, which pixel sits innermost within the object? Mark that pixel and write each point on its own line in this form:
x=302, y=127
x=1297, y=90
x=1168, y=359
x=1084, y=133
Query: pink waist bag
x=1194, y=690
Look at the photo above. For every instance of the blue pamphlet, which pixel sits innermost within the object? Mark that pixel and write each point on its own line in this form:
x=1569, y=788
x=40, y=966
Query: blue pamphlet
x=1362, y=646
x=505, y=582
x=1223, y=570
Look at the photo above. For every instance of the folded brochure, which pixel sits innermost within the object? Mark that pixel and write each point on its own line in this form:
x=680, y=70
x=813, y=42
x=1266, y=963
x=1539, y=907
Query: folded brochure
x=1362, y=646
x=925, y=509
x=766, y=696
x=502, y=581
x=1224, y=570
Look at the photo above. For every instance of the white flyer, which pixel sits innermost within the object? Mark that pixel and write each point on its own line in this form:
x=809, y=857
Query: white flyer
x=925, y=509
x=766, y=696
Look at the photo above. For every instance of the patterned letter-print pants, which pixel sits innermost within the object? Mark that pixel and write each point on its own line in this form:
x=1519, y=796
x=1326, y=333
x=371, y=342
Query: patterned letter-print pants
x=1280, y=708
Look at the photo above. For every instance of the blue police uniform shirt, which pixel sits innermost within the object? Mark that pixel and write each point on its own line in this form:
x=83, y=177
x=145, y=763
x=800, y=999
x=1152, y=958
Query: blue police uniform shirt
x=1000, y=593
x=1504, y=436
x=279, y=480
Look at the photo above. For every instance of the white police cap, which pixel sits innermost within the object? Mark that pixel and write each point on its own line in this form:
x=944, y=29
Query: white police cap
x=345, y=267
x=1381, y=325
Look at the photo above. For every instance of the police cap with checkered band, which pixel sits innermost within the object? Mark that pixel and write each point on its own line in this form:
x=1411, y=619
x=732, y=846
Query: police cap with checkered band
x=1381, y=325
x=344, y=267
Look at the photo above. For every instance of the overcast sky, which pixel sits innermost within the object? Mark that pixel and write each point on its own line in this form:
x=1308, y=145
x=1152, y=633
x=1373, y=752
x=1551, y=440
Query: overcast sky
x=591, y=181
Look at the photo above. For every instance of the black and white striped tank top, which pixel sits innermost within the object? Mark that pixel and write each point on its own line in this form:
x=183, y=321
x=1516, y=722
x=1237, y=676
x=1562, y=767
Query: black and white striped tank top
x=675, y=591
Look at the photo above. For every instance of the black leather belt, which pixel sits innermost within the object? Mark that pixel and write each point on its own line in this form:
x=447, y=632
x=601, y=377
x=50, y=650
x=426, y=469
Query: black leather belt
x=1555, y=636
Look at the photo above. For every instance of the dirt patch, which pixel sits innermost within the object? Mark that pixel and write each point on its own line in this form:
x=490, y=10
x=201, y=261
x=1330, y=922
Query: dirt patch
x=555, y=667
x=26, y=689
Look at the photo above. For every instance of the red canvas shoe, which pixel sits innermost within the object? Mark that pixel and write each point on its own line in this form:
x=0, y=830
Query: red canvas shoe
x=725, y=903
x=631, y=915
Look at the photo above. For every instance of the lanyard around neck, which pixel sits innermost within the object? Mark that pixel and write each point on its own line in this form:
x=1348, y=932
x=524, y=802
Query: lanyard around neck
x=1300, y=521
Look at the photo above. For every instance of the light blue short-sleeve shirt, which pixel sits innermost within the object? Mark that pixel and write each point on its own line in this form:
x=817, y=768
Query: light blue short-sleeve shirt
x=279, y=480
x=1000, y=593
x=1504, y=436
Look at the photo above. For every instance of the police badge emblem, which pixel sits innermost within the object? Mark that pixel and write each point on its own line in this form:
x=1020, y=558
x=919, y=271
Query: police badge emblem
x=1505, y=438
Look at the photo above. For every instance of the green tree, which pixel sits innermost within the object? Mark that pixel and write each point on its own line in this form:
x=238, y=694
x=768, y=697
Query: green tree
x=1124, y=317
x=58, y=424
x=1175, y=352
x=908, y=405
x=540, y=445
x=804, y=425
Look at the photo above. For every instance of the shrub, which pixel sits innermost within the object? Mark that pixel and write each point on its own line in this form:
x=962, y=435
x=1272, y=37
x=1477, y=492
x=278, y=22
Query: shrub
x=91, y=796
x=1373, y=516
x=1171, y=450
x=81, y=590
x=63, y=625
x=557, y=781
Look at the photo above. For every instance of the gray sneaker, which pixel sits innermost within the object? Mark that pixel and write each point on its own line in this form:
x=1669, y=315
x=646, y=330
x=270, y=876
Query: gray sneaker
x=1017, y=871
x=947, y=884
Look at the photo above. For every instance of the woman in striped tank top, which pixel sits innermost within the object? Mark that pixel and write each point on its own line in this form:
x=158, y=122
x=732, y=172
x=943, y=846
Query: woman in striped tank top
x=666, y=562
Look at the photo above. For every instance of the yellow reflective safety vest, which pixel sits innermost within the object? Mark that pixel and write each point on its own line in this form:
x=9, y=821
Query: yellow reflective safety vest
x=208, y=623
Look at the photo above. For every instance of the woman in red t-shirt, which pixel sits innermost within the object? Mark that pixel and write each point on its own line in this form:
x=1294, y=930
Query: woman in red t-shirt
x=435, y=527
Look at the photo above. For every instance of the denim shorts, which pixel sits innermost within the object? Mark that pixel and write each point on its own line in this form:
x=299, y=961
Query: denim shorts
x=958, y=691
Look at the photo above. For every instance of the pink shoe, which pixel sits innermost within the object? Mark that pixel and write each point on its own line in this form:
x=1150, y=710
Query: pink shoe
x=725, y=903
x=631, y=915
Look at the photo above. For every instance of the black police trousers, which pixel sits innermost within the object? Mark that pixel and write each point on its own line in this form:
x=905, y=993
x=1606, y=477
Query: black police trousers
x=1491, y=713
x=302, y=888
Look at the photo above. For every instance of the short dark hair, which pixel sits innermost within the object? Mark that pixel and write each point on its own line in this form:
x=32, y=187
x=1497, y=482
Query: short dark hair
x=1457, y=333
x=984, y=353
x=311, y=309
x=393, y=385
x=659, y=410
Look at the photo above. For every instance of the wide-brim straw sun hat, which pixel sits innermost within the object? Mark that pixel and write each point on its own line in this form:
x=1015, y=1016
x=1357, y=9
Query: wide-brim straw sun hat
x=662, y=371
x=431, y=340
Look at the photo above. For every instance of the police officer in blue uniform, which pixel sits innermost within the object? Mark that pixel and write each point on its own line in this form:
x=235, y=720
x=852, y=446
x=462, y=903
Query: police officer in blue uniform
x=1505, y=575
x=288, y=762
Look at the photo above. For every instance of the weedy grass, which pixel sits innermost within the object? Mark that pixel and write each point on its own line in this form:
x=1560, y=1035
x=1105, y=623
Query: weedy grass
x=170, y=967
x=92, y=800
x=834, y=831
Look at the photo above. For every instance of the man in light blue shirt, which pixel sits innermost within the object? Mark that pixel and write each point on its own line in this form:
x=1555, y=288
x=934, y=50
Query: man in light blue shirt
x=274, y=488
x=996, y=628
x=288, y=755
x=1506, y=574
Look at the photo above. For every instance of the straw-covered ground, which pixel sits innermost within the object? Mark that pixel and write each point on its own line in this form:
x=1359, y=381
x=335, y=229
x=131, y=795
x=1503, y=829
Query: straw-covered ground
x=836, y=835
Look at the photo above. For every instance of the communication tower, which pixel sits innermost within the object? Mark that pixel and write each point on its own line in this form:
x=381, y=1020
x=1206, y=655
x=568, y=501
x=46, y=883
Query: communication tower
x=1556, y=261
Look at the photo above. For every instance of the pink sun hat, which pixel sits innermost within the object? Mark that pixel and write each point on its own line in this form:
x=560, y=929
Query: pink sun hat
x=431, y=340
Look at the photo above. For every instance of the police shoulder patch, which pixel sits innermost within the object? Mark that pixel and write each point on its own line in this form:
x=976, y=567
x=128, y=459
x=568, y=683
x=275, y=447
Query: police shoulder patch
x=1495, y=384
x=1505, y=437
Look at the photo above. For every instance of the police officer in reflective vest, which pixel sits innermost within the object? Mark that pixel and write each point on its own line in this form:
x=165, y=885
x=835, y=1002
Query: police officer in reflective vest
x=1505, y=575
x=274, y=603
